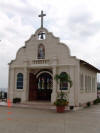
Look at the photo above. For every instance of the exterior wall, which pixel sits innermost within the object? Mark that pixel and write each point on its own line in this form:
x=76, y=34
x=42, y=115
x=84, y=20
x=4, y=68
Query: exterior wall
x=90, y=94
x=53, y=49
x=12, y=91
x=23, y=93
x=73, y=71
x=70, y=92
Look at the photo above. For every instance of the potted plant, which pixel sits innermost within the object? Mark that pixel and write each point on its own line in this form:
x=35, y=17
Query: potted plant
x=61, y=102
x=62, y=99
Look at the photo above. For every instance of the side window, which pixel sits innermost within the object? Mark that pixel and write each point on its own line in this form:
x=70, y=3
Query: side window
x=41, y=51
x=63, y=84
x=19, y=81
x=81, y=81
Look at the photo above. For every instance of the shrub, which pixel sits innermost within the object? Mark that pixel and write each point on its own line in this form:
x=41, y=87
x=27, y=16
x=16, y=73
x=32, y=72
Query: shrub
x=96, y=101
x=16, y=100
x=61, y=99
x=88, y=104
x=60, y=102
x=71, y=107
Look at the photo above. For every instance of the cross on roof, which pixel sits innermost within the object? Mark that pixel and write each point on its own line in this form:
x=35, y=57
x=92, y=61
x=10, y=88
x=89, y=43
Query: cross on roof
x=42, y=15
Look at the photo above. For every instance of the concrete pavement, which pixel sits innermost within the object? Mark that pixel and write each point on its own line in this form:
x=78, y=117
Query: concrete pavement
x=24, y=120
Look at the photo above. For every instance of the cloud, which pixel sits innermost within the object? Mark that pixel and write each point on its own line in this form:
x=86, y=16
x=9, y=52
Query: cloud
x=76, y=22
x=81, y=25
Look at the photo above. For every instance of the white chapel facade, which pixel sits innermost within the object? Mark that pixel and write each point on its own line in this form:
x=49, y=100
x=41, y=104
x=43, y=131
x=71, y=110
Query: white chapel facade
x=31, y=74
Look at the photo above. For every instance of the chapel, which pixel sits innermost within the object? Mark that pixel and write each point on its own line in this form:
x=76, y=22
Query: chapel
x=32, y=72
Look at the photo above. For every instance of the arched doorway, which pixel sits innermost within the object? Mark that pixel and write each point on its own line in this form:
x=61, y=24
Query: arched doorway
x=44, y=83
x=40, y=86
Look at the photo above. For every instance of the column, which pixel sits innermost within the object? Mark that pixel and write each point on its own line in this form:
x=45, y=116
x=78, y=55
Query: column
x=54, y=89
x=71, y=90
x=77, y=85
x=11, y=83
x=25, y=97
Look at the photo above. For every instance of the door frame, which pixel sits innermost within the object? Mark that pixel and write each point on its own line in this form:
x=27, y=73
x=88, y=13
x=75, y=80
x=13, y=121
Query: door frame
x=50, y=74
x=41, y=72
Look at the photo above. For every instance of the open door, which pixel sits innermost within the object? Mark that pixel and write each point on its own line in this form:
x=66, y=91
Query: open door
x=32, y=87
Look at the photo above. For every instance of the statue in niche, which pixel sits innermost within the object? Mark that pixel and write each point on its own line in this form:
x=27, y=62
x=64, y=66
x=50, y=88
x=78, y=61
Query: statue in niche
x=42, y=87
x=39, y=84
x=41, y=52
x=48, y=83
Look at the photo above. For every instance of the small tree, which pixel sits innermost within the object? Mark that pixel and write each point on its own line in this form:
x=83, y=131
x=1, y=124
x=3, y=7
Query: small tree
x=61, y=78
x=62, y=99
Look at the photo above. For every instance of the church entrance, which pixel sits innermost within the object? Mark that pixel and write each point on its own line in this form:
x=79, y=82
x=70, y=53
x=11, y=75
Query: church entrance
x=44, y=86
x=32, y=87
x=40, y=86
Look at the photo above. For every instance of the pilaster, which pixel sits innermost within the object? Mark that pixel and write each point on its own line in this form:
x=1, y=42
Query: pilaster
x=54, y=90
x=25, y=98
x=11, y=83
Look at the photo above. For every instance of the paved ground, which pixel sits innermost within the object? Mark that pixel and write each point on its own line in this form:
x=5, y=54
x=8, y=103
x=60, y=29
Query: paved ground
x=24, y=120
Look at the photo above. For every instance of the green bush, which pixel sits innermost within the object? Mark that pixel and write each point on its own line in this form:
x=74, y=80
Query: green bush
x=88, y=104
x=16, y=100
x=71, y=107
x=96, y=101
x=60, y=102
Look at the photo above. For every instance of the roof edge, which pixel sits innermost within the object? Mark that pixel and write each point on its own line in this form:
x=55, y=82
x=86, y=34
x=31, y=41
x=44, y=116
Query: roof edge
x=89, y=65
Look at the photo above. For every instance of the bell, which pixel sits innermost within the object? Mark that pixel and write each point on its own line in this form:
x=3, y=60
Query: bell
x=42, y=35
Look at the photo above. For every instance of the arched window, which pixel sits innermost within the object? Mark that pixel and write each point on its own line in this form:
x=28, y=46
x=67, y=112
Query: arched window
x=19, y=81
x=63, y=83
x=41, y=51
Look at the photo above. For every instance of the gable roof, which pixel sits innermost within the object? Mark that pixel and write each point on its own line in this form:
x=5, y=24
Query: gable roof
x=90, y=66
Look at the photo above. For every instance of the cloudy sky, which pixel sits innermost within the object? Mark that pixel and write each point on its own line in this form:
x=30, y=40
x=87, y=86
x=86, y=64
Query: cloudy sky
x=76, y=22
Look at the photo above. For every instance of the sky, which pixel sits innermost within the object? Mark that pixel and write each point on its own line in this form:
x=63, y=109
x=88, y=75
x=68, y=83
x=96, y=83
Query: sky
x=75, y=22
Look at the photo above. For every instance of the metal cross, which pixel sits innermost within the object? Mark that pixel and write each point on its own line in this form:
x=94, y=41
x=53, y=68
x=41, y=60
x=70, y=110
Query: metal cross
x=42, y=15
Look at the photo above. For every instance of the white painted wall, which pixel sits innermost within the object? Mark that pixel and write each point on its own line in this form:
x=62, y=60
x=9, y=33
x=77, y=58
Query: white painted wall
x=87, y=96
x=60, y=60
